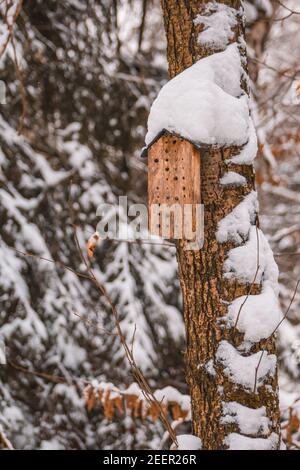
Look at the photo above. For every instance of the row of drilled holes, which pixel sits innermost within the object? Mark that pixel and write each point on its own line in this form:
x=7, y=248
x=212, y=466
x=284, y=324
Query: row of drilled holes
x=167, y=179
x=175, y=177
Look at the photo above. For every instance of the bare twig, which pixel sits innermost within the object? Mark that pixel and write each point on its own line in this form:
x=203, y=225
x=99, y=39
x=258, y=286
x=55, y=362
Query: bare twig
x=10, y=26
x=252, y=283
x=88, y=322
x=136, y=371
x=21, y=86
x=52, y=378
x=142, y=25
x=274, y=69
x=296, y=253
x=5, y=441
x=287, y=8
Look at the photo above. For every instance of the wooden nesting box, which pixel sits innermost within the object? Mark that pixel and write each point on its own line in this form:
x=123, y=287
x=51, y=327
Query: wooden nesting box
x=173, y=179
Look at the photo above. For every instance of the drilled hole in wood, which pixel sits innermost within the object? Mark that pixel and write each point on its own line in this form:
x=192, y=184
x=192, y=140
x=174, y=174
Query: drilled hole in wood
x=167, y=169
x=175, y=178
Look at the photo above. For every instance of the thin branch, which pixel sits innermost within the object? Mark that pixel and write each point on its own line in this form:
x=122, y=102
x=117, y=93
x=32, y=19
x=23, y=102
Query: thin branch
x=136, y=371
x=10, y=26
x=3, y=440
x=142, y=25
x=88, y=322
x=274, y=69
x=296, y=253
x=287, y=8
x=52, y=378
x=252, y=284
x=56, y=263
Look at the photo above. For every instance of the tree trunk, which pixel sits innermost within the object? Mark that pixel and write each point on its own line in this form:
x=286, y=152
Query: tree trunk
x=206, y=293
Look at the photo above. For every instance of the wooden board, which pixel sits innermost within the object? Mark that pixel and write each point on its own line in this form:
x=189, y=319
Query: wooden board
x=173, y=176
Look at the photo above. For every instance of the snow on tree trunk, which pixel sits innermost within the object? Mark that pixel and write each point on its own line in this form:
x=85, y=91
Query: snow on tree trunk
x=229, y=286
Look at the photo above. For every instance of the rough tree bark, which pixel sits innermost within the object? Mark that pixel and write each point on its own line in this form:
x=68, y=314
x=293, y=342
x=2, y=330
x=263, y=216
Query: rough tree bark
x=205, y=291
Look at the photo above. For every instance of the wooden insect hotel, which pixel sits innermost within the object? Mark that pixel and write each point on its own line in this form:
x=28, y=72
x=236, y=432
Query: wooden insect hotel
x=173, y=182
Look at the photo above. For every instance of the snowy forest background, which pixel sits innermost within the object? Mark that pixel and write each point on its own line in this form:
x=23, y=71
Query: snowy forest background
x=80, y=78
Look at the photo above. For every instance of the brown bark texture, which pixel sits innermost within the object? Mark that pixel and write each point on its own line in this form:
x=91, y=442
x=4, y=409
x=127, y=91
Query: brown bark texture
x=205, y=291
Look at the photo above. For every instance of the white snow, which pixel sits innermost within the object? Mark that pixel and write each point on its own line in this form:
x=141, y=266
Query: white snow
x=52, y=444
x=167, y=395
x=249, y=151
x=204, y=103
x=171, y=394
x=10, y=268
x=80, y=156
x=254, y=262
x=164, y=395
x=2, y=353
x=238, y=442
x=29, y=231
x=289, y=341
x=51, y=177
x=242, y=262
x=265, y=5
x=188, y=442
x=218, y=23
x=259, y=315
x=231, y=177
x=209, y=366
x=134, y=389
x=288, y=398
x=251, y=11
x=12, y=414
x=236, y=225
x=249, y=420
x=72, y=354
x=241, y=369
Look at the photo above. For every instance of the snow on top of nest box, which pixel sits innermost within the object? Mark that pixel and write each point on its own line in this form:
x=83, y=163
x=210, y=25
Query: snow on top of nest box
x=205, y=103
